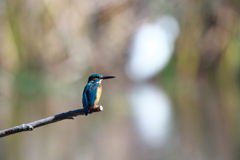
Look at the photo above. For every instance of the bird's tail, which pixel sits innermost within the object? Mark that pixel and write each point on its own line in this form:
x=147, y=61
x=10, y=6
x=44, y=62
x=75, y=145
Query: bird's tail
x=86, y=110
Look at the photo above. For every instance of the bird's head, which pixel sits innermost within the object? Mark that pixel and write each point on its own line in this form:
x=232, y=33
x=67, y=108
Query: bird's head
x=98, y=76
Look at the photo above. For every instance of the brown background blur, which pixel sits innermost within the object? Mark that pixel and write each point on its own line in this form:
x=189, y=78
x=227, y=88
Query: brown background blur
x=48, y=48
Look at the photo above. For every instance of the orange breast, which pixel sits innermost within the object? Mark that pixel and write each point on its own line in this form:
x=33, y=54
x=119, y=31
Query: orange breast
x=99, y=92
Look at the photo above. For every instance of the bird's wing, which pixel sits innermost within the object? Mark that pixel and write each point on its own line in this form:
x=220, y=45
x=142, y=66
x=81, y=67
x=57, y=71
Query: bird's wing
x=92, y=93
x=85, y=99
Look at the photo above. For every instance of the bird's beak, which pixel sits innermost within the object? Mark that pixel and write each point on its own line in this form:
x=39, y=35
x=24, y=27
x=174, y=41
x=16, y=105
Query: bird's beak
x=108, y=77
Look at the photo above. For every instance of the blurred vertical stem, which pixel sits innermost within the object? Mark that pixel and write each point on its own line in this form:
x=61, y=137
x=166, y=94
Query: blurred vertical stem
x=13, y=9
x=13, y=16
x=28, y=83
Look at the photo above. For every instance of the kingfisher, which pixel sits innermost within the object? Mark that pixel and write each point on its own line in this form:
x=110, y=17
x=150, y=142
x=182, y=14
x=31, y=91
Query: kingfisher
x=92, y=91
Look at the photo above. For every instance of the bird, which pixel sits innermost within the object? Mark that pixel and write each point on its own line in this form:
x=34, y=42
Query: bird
x=92, y=91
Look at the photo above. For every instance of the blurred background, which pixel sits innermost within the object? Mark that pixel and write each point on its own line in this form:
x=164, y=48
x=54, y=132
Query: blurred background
x=177, y=91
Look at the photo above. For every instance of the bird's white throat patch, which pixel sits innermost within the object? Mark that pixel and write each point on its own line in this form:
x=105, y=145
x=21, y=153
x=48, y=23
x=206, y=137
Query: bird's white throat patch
x=100, y=81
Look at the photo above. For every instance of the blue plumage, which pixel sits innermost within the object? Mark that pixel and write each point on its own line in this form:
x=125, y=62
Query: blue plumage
x=92, y=91
x=94, y=76
x=85, y=99
x=90, y=95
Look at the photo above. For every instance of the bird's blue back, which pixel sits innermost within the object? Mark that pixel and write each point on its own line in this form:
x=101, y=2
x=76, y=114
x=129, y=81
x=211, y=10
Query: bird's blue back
x=90, y=95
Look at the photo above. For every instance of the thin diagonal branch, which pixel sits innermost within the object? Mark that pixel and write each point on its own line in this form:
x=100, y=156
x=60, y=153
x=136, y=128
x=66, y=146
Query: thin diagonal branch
x=46, y=121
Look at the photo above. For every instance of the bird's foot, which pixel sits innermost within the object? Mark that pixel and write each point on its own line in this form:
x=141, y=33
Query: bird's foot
x=96, y=108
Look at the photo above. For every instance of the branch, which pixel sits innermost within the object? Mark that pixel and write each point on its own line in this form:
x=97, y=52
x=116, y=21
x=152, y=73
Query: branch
x=46, y=121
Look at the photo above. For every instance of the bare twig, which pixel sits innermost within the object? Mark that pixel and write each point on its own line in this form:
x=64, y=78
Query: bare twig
x=42, y=122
